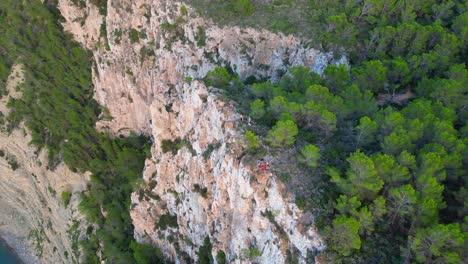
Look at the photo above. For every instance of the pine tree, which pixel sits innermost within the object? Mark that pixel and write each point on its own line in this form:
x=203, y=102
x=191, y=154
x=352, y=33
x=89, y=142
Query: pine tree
x=283, y=134
x=344, y=236
x=257, y=109
x=438, y=244
x=251, y=141
x=310, y=155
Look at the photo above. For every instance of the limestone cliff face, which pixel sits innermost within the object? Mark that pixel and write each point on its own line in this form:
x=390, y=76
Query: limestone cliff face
x=33, y=219
x=146, y=76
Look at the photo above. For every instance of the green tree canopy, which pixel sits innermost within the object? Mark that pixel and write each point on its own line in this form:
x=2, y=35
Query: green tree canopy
x=219, y=77
x=283, y=134
x=438, y=244
x=251, y=141
x=344, y=236
x=257, y=109
x=371, y=76
x=310, y=155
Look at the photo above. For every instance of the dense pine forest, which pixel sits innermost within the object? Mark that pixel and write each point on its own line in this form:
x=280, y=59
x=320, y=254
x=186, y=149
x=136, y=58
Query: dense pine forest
x=386, y=137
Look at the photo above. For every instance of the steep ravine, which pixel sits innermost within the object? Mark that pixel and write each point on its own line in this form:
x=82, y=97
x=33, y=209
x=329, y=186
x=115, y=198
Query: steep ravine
x=145, y=74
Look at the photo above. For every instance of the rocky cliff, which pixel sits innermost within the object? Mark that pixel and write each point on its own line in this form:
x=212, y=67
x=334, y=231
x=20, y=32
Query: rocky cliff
x=149, y=55
x=33, y=219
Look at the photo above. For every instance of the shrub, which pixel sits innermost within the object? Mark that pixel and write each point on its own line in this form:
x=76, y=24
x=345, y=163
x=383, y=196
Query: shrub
x=167, y=220
x=204, y=253
x=210, y=149
x=257, y=109
x=14, y=165
x=134, y=35
x=52, y=191
x=310, y=155
x=252, y=252
x=301, y=203
x=101, y=5
x=283, y=134
x=243, y=7
x=174, y=146
x=183, y=10
x=144, y=253
x=200, y=37
x=202, y=191
x=219, y=77
x=66, y=197
x=221, y=257
x=251, y=140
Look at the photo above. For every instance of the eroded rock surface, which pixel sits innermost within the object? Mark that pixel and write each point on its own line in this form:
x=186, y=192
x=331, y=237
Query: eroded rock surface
x=146, y=75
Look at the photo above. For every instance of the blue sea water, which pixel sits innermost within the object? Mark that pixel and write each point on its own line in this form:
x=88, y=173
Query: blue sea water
x=7, y=256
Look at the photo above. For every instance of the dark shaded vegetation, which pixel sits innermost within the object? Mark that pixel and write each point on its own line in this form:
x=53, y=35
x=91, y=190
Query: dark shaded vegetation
x=221, y=257
x=58, y=109
x=386, y=138
x=167, y=220
x=211, y=147
x=134, y=35
x=101, y=4
x=174, y=145
x=203, y=191
x=204, y=252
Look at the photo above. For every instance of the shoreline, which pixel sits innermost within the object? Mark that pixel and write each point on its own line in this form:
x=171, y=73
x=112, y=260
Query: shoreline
x=11, y=250
x=18, y=248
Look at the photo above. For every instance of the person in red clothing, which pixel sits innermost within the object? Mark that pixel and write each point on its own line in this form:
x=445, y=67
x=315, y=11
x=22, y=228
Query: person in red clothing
x=263, y=166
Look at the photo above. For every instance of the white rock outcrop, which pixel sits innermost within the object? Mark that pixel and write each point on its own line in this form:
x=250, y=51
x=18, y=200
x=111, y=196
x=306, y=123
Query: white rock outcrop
x=149, y=84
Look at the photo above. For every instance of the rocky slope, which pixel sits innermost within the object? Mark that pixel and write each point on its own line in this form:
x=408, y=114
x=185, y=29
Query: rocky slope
x=148, y=56
x=33, y=219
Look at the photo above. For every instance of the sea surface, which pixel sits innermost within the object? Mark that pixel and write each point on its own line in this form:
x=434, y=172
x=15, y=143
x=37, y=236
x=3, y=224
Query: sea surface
x=7, y=256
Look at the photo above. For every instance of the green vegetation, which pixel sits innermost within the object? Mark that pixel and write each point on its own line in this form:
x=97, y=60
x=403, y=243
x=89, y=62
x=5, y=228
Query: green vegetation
x=301, y=203
x=101, y=4
x=12, y=161
x=211, y=147
x=221, y=257
x=219, y=77
x=243, y=7
x=134, y=35
x=257, y=109
x=385, y=139
x=289, y=16
x=167, y=220
x=205, y=256
x=200, y=37
x=252, y=252
x=175, y=31
x=283, y=133
x=37, y=238
x=51, y=191
x=145, y=254
x=58, y=109
x=203, y=191
x=310, y=155
x=251, y=141
x=174, y=146
x=66, y=197
x=344, y=235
